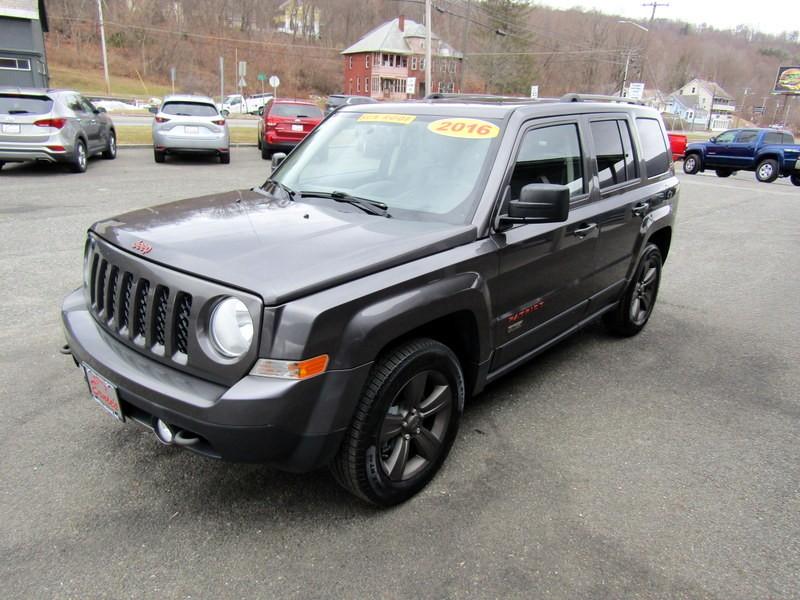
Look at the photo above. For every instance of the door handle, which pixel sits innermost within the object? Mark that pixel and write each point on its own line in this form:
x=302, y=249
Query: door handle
x=640, y=207
x=584, y=229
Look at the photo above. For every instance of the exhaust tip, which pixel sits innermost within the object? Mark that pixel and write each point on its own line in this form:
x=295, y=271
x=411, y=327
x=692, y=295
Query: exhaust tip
x=164, y=433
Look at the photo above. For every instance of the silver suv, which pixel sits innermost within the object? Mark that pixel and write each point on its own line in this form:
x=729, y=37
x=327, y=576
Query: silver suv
x=190, y=124
x=53, y=126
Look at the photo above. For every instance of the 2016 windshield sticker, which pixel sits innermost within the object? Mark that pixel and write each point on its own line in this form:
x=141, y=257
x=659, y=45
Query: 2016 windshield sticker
x=386, y=118
x=473, y=129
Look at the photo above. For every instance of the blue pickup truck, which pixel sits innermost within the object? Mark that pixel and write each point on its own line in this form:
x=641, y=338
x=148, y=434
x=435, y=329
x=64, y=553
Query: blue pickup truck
x=769, y=152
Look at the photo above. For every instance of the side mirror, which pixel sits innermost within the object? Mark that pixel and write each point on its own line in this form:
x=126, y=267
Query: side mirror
x=153, y=109
x=99, y=110
x=712, y=139
x=538, y=203
x=277, y=159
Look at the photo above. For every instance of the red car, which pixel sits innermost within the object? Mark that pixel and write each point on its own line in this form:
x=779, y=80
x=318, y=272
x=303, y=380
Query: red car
x=285, y=124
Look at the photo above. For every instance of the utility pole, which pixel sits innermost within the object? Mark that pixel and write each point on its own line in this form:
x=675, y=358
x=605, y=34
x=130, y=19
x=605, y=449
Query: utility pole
x=428, y=53
x=221, y=79
x=103, y=45
x=464, y=48
x=655, y=4
x=625, y=73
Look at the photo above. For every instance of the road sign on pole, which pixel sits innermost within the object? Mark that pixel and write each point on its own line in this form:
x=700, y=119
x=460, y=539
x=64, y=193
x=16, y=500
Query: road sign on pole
x=242, y=68
x=274, y=82
x=635, y=91
x=262, y=77
x=534, y=91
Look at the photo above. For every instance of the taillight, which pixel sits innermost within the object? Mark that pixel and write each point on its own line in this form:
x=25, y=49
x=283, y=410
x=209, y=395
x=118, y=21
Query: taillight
x=219, y=122
x=271, y=123
x=57, y=123
x=161, y=119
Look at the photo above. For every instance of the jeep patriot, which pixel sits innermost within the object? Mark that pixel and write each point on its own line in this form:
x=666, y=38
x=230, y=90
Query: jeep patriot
x=394, y=263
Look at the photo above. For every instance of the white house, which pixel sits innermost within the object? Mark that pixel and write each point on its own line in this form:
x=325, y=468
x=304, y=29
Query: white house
x=696, y=99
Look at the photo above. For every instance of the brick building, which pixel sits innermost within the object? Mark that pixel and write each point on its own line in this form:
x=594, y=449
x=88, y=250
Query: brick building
x=390, y=57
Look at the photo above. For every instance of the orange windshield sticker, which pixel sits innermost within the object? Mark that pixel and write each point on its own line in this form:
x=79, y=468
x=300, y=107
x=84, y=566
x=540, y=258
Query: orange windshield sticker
x=386, y=118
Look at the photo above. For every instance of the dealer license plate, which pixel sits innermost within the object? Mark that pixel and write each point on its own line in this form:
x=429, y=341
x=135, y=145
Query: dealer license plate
x=191, y=130
x=297, y=128
x=104, y=392
x=11, y=128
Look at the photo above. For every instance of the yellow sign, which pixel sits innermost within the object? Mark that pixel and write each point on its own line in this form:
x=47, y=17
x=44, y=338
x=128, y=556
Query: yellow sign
x=473, y=129
x=386, y=118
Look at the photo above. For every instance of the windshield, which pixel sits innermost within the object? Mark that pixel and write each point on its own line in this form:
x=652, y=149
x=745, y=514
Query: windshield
x=189, y=109
x=13, y=104
x=422, y=167
x=296, y=111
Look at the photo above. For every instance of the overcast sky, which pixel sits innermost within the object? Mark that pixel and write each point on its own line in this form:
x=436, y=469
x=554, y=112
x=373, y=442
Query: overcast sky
x=769, y=16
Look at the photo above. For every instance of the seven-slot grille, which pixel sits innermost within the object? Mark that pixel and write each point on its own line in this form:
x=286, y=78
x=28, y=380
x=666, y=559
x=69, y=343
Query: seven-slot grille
x=150, y=316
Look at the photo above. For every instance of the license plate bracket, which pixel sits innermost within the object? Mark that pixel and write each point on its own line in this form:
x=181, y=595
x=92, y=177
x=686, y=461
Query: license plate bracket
x=189, y=130
x=11, y=128
x=298, y=128
x=103, y=392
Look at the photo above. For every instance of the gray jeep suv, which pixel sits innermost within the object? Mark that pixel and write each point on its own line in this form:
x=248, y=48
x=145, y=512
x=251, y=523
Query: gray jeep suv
x=398, y=260
x=53, y=126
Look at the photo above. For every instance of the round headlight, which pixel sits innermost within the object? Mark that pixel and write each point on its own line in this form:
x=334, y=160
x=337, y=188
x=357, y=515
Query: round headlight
x=231, y=327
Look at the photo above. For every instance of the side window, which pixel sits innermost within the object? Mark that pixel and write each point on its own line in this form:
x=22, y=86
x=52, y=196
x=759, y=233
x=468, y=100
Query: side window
x=87, y=106
x=74, y=103
x=726, y=137
x=788, y=138
x=772, y=137
x=631, y=166
x=747, y=136
x=549, y=155
x=655, y=150
x=612, y=157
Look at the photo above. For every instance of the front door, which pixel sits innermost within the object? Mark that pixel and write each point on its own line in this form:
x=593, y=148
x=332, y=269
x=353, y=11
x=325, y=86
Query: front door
x=718, y=152
x=544, y=275
x=743, y=148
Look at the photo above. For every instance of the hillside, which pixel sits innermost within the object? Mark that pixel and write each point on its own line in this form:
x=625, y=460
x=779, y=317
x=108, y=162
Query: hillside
x=509, y=45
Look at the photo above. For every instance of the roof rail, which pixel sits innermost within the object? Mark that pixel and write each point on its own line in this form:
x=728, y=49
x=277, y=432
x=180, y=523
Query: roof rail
x=482, y=98
x=572, y=97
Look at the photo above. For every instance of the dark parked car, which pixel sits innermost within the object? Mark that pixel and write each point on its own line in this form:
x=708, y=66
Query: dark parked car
x=335, y=101
x=768, y=152
x=285, y=123
x=50, y=125
x=398, y=260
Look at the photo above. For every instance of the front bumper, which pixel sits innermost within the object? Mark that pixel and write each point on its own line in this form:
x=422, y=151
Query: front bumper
x=293, y=425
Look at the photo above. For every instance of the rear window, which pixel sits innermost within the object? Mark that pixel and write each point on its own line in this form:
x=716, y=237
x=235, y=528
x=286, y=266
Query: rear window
x=189, y=109
x=296, y=111
x=655, y=150
x=13, y=104
x=773, y=137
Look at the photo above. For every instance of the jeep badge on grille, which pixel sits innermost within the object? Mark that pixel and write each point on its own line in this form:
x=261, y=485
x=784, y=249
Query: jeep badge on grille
x=142, y=246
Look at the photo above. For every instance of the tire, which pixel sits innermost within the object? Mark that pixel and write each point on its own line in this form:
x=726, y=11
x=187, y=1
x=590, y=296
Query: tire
x=80, y=158
x=258, y=141
x=110, y=152
x=393, y=448
x=159, y=156
x=266, y=153
x=724, y=172
x=795, y=179
x=2, y=164
x=691, y=164
x=767, y=170
x=636, y=305
x=225, y=158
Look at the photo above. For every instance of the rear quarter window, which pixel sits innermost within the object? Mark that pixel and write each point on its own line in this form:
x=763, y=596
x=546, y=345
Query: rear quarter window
x=655, y=149
x=14, y=104
x=189, y=109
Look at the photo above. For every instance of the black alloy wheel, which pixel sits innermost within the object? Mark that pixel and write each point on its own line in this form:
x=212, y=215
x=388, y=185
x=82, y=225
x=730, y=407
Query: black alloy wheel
x=795, y=179
x=636, y=305
x=110, y=152
x=404, y=425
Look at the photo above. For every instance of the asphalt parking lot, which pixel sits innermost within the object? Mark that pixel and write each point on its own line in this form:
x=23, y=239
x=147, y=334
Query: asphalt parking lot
x=663, y=466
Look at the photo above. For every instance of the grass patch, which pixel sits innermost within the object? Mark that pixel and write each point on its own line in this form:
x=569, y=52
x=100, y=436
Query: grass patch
x=92, y=82
x=138, y=134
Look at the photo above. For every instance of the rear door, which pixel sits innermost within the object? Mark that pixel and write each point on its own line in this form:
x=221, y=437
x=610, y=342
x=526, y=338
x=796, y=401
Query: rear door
x=18, y=113
x=619, y=204
x=742, y=150
x=545, y=268
x=293, y=122
x=192, y=121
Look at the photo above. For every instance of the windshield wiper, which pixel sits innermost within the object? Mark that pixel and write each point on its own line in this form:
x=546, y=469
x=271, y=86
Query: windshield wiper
x=373, y=207
x=287, y=191
x=21, y=111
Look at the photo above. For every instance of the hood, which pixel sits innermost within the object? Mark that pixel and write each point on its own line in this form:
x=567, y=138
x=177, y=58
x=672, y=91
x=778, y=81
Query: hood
x=277, y=249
